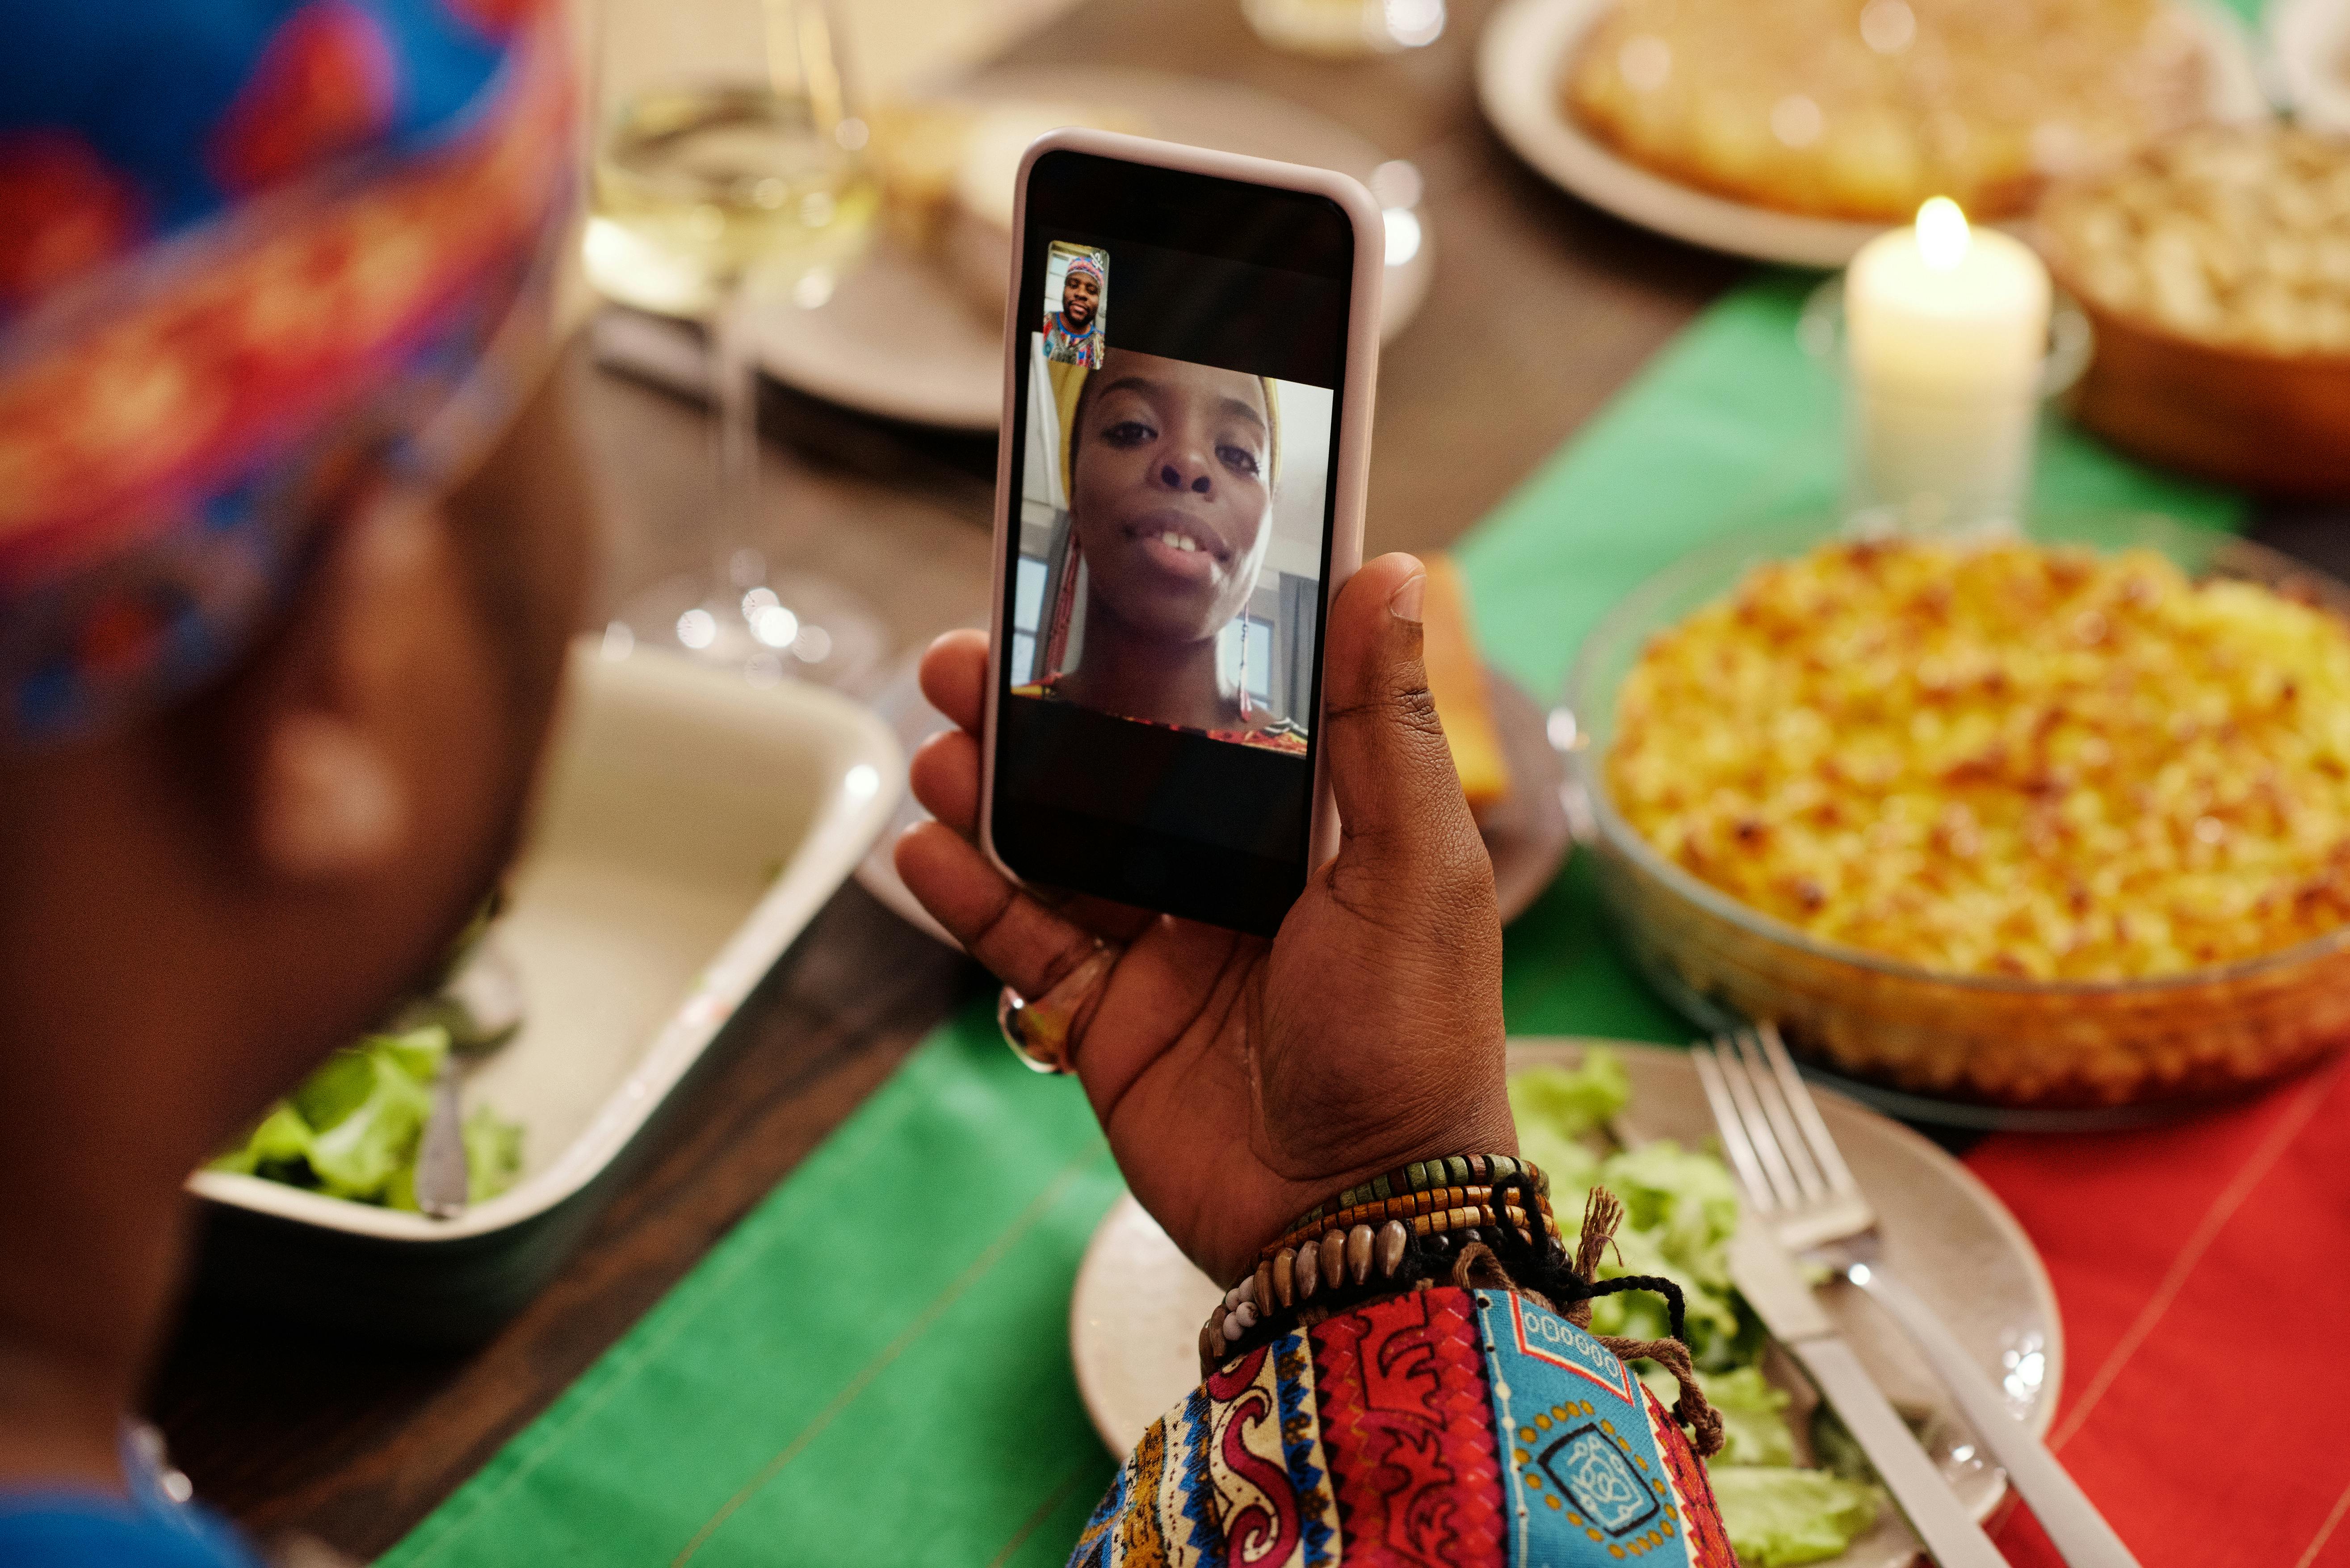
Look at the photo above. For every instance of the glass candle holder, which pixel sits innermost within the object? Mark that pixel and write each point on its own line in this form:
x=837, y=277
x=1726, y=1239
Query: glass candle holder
x=1919, y=461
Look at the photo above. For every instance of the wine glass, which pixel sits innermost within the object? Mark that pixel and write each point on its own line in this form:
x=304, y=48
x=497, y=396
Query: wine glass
x=730, y=181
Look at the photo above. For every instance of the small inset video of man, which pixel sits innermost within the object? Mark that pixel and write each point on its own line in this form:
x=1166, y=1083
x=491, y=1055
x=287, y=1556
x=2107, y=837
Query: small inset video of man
x=1076, y=290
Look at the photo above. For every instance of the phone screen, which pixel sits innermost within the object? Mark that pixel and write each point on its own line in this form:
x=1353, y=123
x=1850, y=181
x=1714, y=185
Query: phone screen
x=1174, y=449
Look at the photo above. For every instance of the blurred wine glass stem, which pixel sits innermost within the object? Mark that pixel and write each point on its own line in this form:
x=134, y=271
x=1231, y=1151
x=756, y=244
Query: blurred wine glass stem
x=734, y=394
x=730, y=179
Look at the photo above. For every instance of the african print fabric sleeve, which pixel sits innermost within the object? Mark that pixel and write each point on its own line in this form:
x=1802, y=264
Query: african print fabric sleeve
x=1441, y=1428
x=1063, y=347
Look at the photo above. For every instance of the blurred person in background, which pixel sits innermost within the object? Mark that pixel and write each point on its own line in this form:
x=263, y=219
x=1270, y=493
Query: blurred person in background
x=290, y=547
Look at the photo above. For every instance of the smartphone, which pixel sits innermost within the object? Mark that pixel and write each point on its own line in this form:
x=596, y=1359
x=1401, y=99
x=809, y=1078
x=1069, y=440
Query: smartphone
x=1191, y=343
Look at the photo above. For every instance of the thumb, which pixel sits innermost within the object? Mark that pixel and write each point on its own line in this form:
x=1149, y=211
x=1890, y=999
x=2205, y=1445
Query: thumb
x=1398, y=797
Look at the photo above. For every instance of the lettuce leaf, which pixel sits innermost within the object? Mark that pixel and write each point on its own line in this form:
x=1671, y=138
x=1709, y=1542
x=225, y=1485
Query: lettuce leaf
x=1556, y=1108
x=493, y=1154
x=1754, y=1417
x=282, y=1139
x=1572, y=1167
x=1682, y=1197
x=1679, y=1210
x=352, y=1129
x=1777, y=1516
x=1681, y=1207
x=1715, y=1330
x=373, y=1140
x=1754, y=1424
x=1570, y=1102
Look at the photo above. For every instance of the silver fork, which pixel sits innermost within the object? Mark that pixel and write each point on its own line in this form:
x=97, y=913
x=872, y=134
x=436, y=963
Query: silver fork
x=1797, y=1181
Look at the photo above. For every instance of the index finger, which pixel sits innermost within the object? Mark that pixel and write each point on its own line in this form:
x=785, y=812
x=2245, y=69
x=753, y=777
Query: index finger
x=1029, y=946
x=954, y=677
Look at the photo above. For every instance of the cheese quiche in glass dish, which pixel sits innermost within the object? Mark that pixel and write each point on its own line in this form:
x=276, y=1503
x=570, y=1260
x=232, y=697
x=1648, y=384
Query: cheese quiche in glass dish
x=2007, y=829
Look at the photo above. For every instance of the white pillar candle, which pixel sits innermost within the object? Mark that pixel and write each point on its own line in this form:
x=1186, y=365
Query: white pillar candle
x=1946, y=328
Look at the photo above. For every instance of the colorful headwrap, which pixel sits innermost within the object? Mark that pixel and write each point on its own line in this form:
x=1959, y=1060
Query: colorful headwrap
x=1083, y=263
x=251, y=252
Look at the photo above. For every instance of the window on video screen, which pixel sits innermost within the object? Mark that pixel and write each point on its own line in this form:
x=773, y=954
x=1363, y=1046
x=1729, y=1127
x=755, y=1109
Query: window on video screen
x=1170, y=529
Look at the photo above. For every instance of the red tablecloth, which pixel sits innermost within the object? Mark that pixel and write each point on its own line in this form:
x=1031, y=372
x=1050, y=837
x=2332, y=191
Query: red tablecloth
x=2204, y=1271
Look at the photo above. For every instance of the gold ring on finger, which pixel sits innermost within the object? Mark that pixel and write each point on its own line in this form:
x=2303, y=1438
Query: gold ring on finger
x=1038, y=1032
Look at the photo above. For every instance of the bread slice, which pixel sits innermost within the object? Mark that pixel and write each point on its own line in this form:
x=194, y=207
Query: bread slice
x=1456, y=680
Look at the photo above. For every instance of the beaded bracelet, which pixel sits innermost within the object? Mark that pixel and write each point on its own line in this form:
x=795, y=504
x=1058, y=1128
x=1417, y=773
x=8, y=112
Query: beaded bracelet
x=1341, y=1263
x=1367, y=1229
x=1271, y=1301
x=1420, y=1175
x=1426, y=1213
x=1431, y=1196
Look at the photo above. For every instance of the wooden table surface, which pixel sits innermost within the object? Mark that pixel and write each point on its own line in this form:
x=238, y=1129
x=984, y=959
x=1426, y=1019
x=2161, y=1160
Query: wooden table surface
x=1541, y=309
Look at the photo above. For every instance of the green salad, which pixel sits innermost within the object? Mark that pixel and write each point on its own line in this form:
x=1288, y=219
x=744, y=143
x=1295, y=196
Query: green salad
x=1680, y=1209
x=353, y=1129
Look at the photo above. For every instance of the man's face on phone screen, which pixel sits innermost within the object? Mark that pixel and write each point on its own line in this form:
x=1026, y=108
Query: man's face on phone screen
x=1080, y=293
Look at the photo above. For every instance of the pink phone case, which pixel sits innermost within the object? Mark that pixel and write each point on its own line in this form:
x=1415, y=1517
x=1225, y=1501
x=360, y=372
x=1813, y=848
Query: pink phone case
x=1351, y=469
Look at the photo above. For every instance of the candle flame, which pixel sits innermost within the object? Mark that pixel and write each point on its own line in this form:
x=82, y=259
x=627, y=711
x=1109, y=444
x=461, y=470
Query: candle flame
x=1942, y=233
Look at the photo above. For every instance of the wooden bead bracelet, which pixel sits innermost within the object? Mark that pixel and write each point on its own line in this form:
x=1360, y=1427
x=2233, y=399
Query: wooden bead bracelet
x=1421, y=1175
x=1365, y=1232
x=1428, y=1194
x=1440, y=1208
x=1359, y=1265
x=1293, y=1275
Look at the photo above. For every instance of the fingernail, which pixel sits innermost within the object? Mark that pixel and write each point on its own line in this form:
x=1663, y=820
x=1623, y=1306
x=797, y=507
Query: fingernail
x=1404, y=603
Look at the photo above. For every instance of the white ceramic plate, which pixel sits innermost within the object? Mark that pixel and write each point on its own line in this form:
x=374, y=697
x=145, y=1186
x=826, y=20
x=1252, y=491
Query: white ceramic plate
x=1519, y=60
x=897, y=339
x=692, y=826
x=1135, y=1314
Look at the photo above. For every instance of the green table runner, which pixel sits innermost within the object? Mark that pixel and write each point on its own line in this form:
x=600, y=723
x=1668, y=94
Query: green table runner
x=872, y=1367
x=810, y=1394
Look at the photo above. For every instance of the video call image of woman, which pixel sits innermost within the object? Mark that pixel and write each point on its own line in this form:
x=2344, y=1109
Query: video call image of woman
x=1170, y=473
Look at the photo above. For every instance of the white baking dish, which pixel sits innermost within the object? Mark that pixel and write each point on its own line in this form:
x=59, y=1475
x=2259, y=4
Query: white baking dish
x=692, y=826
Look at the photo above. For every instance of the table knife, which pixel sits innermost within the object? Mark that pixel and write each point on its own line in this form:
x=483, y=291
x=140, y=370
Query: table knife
x=1768, y=1279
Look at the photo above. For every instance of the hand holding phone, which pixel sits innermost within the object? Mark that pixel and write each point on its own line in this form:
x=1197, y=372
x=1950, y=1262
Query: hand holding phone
x=1239, y=1080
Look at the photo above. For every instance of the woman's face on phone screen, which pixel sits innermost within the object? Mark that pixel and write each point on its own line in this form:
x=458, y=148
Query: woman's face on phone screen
x=1171, y=492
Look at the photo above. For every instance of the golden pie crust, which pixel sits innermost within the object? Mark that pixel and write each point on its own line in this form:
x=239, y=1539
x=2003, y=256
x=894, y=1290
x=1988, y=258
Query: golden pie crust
x=1863, y=108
